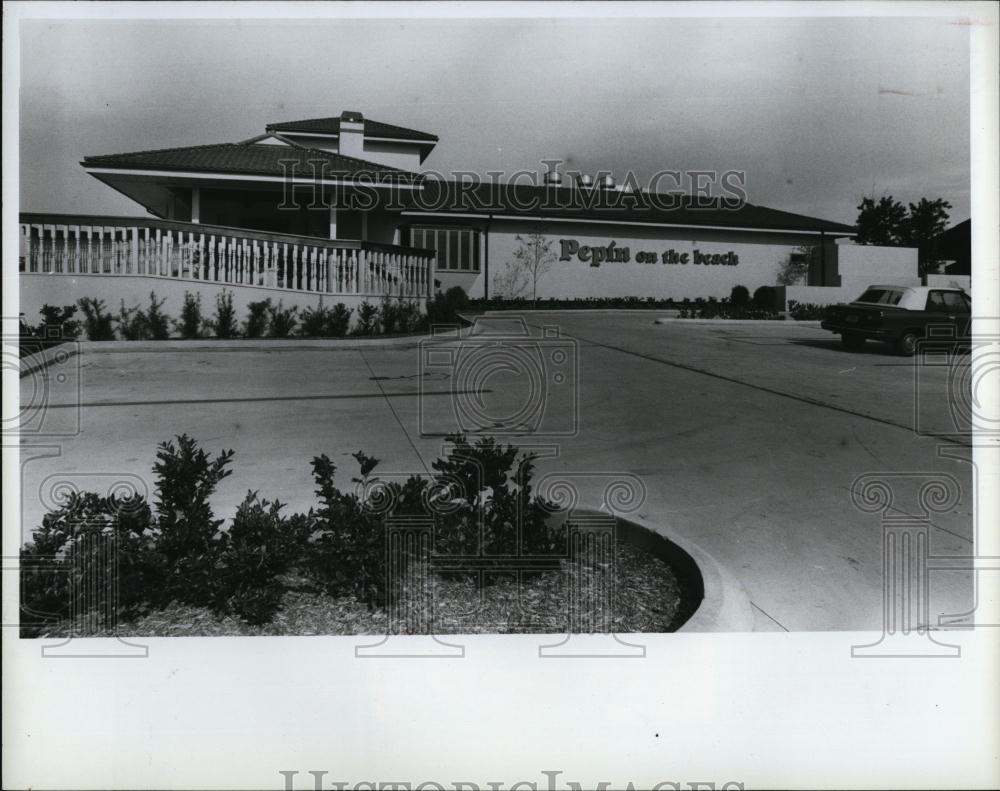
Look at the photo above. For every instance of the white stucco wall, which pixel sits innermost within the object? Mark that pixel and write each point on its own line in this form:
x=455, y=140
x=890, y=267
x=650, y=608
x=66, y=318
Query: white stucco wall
x=760, y=256
x=858, y=262
x=405, y=156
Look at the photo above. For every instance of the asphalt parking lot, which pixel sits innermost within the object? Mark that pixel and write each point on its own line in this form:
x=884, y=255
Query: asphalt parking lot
x=747, y=438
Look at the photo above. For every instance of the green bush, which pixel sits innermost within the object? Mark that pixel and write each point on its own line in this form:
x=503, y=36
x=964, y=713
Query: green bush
x=157, y=322
x=89, y=546
x=252, y=555
x=765, y=298
x=491, y=484
x=410, y=318
x=739, y=296
x=332, y=322
x=806, y=311
x=281, y=321
x=57, y=323
x=255, y=325
x=390, y=314
x=96, y=321
x=346, y=545
x=189, y=326
x=224, y=325
x=178, y=551
x=131, y=323
x=368, y=319
x=186, y=477
x=339, y=320
x=445, y=307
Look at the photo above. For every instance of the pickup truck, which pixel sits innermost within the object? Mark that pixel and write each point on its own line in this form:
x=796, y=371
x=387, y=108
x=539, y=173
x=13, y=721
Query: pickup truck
x=902, y=316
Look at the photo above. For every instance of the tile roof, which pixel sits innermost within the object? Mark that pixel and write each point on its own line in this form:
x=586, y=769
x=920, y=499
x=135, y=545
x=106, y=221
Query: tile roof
x=247, y=158
x=506, y=199
x=372, y=129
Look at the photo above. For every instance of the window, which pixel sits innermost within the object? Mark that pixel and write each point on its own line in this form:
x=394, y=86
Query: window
x=947, y=302
x=881, y=296
x=457, y=248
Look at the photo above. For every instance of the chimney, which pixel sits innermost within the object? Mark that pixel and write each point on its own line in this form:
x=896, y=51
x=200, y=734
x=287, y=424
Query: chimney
x=606, y=182
x=552, y=177
x=584, y=181
x=351, y=142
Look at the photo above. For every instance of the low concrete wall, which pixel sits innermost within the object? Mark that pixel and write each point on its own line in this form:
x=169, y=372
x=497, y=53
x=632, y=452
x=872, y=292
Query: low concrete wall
x=870, y=264
x=40, y=289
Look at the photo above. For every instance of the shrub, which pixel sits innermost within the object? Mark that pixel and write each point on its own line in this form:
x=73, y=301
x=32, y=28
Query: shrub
x=765, y=298
x=281, y=321
x=157, y=322
x=368, y=323
x=96, y=321
x=256, y=324
x=445, y=308
x=314, y=322
x=253, y=553
x=492, y=484
x=339, y=320
x=89, y=546
x=806, y=311
x=332, y=322
x=131, y=323
x=346, y=552
x=739, y=296
x=189, y=325
x=58, y=323
x=410, y=318
x=224, y=324
x=390, y=316
x=186, y=477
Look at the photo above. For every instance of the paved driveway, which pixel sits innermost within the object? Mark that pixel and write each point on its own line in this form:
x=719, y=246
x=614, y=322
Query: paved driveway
x=746, y=437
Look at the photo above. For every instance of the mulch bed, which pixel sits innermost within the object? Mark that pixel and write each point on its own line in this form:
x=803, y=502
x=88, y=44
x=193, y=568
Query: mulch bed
x=641, y=595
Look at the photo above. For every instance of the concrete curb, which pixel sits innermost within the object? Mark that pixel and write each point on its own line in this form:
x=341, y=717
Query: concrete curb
x=255, y=344
x=740, y=322
x=38, y=361
x=725, y=604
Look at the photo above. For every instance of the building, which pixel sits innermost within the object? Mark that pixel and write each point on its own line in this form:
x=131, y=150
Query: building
x=339, y=209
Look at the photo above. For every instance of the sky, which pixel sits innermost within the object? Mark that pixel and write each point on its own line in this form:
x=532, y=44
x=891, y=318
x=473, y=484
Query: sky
x=817, y=112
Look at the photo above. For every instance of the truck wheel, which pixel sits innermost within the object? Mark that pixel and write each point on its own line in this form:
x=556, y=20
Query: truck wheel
x=907, y=343
x=852, y=340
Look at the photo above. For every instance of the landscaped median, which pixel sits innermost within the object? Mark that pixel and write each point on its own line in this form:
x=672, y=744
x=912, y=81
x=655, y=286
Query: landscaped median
x=467, y=549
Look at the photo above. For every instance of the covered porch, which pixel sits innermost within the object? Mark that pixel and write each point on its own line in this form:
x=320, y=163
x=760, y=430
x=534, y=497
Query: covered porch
x=77, y=247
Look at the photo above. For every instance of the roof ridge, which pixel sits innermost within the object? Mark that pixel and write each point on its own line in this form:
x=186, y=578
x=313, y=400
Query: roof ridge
x=158, y=150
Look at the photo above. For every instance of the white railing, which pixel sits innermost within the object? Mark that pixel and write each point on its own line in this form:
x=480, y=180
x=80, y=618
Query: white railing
x=68, y=245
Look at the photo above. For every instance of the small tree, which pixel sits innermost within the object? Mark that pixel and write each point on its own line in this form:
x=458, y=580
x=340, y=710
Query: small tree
x=926, y=221
x=190, y=322
x=881, y=221
x=224, y=325
x=533, y=258
x=256, y=323
x=131, y=323
x=795, y=268
x=96, y=320
x=887, y=222
x=157, y=322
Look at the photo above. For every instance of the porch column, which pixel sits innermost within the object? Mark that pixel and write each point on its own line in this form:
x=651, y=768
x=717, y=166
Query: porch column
x=333, y=222
x=196, y=204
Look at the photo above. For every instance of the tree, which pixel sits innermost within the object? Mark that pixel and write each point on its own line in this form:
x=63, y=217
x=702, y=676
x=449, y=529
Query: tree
x=532, y=259
x=795, y=269
x=888, y=222
x=926, y=221
x=881, y=222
